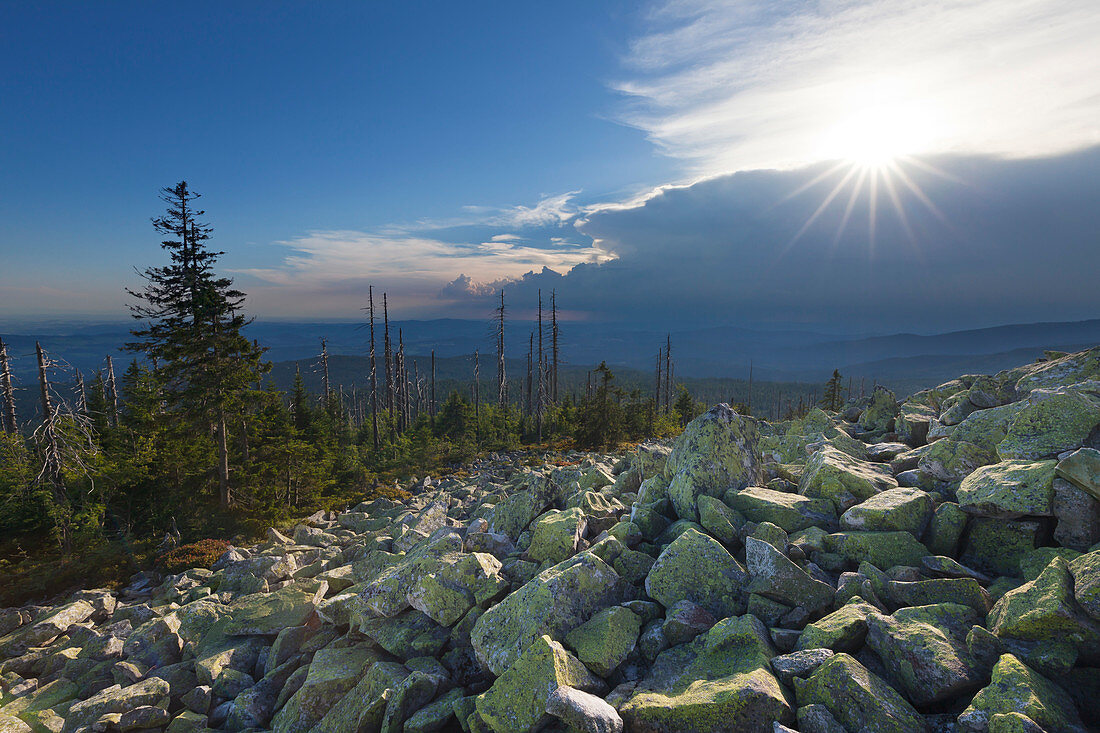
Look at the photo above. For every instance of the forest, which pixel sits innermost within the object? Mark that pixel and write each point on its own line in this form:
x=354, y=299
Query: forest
x=196, y=437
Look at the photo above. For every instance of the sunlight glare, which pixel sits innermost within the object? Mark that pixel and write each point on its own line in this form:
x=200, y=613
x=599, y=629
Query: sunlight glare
x=874, y=135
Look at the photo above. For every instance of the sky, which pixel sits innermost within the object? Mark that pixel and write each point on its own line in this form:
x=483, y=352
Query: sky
x=863, y=166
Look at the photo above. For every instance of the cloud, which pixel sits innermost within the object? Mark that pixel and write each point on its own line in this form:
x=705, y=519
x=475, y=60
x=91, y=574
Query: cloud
x=731, y=85
x=949, y=242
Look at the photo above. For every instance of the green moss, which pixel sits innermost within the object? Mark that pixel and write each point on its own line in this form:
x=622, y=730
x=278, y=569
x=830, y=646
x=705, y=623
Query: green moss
x=1051, y=424
x=1043, y=610
x=1016, y=688
x=516, y=702
x=998, y=545
x=843, y=480
x=950, y=459
x=843, y=630
x=1009, y=489
x=606, y=639
x=901, y=509
x=858, y=699
x=881, y=549
x=792, y=512
x=695, y=567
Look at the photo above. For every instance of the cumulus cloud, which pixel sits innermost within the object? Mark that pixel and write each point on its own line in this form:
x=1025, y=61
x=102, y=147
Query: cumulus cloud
x=730, y=85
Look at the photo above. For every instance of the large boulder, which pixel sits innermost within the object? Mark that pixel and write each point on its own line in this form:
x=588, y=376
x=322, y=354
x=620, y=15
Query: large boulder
x=857, y=698
x=881, y=549
x=556, y=535
x=332, y=673
x=1082, y=469
x=697, y=568
x=776, y=577
x=792, y=512
x=517, y=701
x=716, y=451
x=268, y=614
x=879, y=415
x=924, y=648
x=1086, y=582
x=843, y=480
x=1044, y=610
x=606, y=639
x=1053, y=422
x=901, y=509
x=1010, y=489
x=1016, y=688
x=720, y=681
x=554, y=602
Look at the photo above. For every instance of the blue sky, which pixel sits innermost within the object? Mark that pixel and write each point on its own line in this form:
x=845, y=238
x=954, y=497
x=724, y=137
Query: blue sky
x=441, y=150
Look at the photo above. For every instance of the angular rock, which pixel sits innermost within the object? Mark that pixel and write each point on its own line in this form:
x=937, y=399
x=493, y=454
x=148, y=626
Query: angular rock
x=716, y=451
x=583, y=712
x=881, y=549
x=606, y=639
x=843, y=630
x=792, y=512
x=775, y=576
x=1086, y=582
x=1010, y=489
x=332, y=673
x=998, y=545
x=1043, y=610
x=718, y=519
x=843, y=480
x=901, y=509
x=858, y=699
x=697, y=568
x=517, y=701
x=924, y=648
x=799, y=664
x=1016, y=688
x=1052, y=422
x=1082, y=469
x=1078, y=516
x=720, y=681
x=555, y=602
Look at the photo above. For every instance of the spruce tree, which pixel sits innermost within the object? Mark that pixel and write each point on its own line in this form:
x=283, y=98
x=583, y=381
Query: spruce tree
x=192, y=322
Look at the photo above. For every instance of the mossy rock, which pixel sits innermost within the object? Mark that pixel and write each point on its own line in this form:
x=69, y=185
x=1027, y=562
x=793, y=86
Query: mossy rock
x=717, y=450
x=776, y=577
x=843, y=630
x=997, y=545
x=950, y=459
x=881, y=549
x=901, y=509
x=554, y=602
x=556, y=535
x=606, y=639
x=1010, y=489
x=924, y=649
x=1086, y=582
x=879, y=415
x=946, y=529
x=719, y=681
x=1052, y=423
x=1082, y=469
x=718, y=519
x=332, y=673
x=516, y=702
x=695, y=567
x=1044, y=610
x=792, y=512
x=1016, y=688
x=962, y=591
x=857, y=698
x=843, y=480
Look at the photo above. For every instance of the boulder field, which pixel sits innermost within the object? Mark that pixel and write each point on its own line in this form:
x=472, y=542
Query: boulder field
x=924, y=565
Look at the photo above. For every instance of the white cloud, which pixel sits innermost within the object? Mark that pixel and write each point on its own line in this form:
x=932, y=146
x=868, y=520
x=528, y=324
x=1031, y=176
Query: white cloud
x=737, y=84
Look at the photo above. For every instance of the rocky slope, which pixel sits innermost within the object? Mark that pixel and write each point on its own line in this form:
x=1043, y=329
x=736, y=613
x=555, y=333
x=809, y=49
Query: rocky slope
x=925, y=566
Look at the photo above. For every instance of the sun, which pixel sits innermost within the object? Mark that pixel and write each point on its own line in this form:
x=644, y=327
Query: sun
x=874, y=135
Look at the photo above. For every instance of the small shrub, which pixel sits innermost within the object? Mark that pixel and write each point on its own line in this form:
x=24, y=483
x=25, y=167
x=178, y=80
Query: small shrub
x=383, y=491
x=201, y=554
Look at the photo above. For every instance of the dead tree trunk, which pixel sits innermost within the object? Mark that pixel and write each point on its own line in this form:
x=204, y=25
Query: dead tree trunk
x=668, y=371
x=477, y=395
x=431, y=407
x=530, y=350
x=541, y=398
x=112, y=393
x=399, y=381
x=554, y=345
x=223, y=461
x=388, y=356
x=657, y=384
x=52, y=465
x=373, y=372
x=81, y=394
x=326, y=388
x=7, y=391
x=502, y=389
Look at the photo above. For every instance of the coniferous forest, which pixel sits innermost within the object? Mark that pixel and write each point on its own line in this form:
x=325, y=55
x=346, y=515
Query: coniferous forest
x=192, y=438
